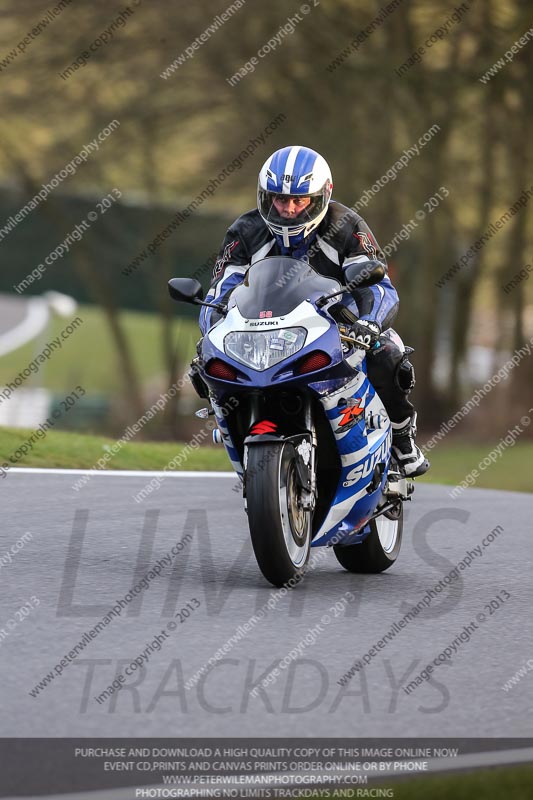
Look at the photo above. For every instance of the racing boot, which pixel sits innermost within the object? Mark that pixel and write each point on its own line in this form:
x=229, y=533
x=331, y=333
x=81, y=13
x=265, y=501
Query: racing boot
x=410, y=458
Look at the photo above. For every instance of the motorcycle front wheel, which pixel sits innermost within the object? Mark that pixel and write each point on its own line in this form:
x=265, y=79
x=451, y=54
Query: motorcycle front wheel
x=280, y=528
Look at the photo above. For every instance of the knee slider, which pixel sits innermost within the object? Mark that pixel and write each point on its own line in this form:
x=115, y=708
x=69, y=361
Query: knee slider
x=404, y=375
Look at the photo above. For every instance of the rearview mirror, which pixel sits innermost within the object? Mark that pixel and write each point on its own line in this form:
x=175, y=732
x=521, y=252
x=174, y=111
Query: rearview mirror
x=186, y=290
x=364, y=273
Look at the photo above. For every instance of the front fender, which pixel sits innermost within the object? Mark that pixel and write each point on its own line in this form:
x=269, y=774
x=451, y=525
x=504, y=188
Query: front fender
x=302, y=446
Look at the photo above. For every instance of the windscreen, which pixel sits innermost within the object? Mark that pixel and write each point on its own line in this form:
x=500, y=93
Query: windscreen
x=275, y=286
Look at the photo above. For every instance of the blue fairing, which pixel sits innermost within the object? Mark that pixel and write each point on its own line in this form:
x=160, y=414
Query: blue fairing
x=360, y=452
x=283, y=372
x=342, y=389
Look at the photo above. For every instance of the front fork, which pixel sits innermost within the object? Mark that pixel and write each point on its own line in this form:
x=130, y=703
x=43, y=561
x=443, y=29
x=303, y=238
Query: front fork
x=309, y=496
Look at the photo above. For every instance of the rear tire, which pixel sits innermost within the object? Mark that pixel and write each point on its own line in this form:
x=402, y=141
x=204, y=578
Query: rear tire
x=379, y=550
x=280, y=529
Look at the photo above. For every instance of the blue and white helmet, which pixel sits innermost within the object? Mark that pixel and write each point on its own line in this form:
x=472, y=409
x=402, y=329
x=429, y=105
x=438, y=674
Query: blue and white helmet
x=298, y=172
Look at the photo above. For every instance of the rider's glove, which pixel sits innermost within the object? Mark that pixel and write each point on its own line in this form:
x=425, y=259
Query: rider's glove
x=365, y=333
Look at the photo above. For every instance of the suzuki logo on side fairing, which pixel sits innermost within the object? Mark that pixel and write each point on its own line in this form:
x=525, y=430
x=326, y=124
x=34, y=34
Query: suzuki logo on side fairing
x=366, y=467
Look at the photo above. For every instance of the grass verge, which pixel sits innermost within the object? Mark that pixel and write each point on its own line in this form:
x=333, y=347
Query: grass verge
x=497, y=783
x=80, y=451
x=88, y=357
x=450, y=462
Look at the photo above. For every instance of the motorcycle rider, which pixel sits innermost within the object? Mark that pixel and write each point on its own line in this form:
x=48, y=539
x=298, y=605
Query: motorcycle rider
x=295, y=216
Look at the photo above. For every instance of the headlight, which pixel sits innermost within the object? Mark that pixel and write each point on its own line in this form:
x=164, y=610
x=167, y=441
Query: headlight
x=263, y=349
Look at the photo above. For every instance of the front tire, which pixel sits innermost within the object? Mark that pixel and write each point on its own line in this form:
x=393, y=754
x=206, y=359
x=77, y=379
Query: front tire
x=280, y=528
x=381, y=547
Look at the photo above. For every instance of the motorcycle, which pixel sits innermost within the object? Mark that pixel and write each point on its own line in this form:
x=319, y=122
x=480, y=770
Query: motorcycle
x=303, y=427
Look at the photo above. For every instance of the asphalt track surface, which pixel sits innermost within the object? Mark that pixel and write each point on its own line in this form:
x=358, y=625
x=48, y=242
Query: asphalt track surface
x=91, y=547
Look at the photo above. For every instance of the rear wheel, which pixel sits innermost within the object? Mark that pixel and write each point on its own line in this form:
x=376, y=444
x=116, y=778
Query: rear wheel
x=280, y=527
x=381, y=547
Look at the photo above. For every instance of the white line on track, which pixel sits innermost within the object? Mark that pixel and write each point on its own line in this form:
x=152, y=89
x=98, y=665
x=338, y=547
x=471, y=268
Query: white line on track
x=120, y=473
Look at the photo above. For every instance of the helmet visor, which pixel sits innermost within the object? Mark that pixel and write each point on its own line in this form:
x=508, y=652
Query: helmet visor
x=290, y=210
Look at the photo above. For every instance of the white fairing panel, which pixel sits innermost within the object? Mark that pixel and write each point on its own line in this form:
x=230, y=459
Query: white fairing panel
x=359, y=458
x=337, y=513
x=303, y=316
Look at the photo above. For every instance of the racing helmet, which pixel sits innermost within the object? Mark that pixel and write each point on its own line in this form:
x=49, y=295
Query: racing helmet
x=294, y=172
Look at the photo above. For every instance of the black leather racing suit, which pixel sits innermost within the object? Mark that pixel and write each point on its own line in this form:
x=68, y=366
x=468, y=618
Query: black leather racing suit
x=341, y=239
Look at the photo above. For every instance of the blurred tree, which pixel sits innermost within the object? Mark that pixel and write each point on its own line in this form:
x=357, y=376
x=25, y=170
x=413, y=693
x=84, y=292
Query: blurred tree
x=179, y=132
